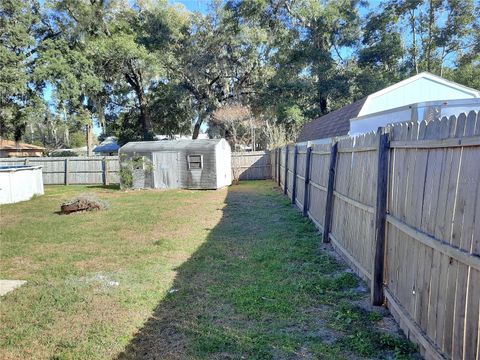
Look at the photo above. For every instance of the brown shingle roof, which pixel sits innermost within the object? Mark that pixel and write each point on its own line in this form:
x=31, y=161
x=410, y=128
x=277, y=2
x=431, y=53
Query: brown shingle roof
x=335, y=123
x=12, y=145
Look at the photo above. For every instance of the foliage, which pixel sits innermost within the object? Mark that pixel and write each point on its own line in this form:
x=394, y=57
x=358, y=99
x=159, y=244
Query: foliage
x=362, y=335
x=77, y=139
x=65, y=153
x=237, y=121
x=141, y=68
x=128, y=167
x=19, y=22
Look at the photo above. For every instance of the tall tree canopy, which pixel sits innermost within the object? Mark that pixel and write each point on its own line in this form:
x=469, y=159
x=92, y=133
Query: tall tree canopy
x=146, y=67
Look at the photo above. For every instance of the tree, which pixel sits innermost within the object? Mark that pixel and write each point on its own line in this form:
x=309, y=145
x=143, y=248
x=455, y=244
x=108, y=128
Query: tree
x=137, y=68
x=438, y=31
x=218, y=62
x=19, y=31
x=237, y=122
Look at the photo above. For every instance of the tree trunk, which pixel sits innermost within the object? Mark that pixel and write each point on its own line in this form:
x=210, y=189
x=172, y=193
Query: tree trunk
x=414, y=41
x=144, y=118
x=323, y=104
x=196, y=129
x=89, y=140
x=134, y=79
x=431, y=19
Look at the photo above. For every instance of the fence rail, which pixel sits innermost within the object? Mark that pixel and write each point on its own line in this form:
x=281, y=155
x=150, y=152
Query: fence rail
x=105, y=170
x=402, y=207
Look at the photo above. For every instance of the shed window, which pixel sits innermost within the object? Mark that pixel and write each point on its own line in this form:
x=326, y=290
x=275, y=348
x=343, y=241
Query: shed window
x=195, y=162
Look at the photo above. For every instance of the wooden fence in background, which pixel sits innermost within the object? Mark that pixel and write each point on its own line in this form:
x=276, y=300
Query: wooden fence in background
x=402, y=206
x=105, y=170
x=73, y=170
x=253, y=165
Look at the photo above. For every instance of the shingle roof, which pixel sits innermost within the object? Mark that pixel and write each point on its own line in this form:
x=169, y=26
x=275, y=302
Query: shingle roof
x=12, y=145
x=335, y=123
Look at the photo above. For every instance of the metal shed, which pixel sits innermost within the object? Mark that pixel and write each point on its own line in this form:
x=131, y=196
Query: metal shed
x=188, y=164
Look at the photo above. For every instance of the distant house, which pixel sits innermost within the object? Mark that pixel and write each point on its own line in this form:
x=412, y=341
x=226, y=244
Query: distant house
x=421, y=97
x=10, y=148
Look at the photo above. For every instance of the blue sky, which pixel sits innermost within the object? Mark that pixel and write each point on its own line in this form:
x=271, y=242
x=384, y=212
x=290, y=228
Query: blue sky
x=194, y=5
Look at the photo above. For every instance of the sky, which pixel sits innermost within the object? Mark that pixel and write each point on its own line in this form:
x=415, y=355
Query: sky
x=193, y=5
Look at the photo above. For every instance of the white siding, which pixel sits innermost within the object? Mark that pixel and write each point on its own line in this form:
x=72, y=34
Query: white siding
x=415, y=90
x=224, y=164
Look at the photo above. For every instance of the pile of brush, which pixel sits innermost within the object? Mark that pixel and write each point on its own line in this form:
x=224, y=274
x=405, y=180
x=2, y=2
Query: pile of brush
x=83, y=203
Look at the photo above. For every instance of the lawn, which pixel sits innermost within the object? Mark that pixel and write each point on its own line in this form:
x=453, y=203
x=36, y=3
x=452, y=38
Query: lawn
x=229, y=274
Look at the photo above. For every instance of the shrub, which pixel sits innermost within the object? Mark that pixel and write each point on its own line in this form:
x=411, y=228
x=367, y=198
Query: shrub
x=129, y=165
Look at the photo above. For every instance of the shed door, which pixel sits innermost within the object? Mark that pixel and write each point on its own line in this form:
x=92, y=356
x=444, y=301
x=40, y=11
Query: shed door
x=166, y=174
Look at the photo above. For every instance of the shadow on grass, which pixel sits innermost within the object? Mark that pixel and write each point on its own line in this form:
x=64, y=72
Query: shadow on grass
x=260, y=288
x=107, y=187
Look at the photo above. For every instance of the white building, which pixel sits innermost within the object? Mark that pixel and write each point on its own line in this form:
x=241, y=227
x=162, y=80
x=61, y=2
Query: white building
x=421, y=97
x=187, y=164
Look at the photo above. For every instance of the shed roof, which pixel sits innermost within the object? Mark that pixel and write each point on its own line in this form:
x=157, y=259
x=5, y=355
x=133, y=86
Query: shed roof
x=170, y=145
x=335, y=123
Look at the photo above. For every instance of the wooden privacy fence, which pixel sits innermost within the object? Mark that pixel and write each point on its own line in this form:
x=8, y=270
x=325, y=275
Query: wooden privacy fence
x=253, y=165
x=402, y=207
x=105, y=170
x=73, y=170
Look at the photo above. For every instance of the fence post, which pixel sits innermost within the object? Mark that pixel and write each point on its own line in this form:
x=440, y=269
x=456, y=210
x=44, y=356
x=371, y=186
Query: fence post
x=380, y=214
x=272, y=164
x=67, y=170
x=331, y=183
x=294, y=185
x=285, y=181
x=307, y=181
x=279, y=153
x=105, y=171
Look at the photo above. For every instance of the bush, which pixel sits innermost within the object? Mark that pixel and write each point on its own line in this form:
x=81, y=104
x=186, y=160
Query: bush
x=129, y=165
x=65, y=153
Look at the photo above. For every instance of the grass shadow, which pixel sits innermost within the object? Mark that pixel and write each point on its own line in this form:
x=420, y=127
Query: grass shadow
x=106, y=187
x=260, y=288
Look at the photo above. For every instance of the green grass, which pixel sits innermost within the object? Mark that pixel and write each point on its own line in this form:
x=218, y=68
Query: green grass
x=233, y=273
